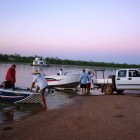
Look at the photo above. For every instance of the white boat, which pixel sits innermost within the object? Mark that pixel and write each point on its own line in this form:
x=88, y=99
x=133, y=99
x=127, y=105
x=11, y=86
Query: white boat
x=63, y=81
x=39, y=61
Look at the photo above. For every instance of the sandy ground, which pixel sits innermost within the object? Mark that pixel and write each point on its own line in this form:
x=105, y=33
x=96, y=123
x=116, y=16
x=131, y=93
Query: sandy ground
x=105, y=117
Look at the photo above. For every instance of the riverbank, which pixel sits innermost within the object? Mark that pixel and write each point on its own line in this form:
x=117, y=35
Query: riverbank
x=105, y=117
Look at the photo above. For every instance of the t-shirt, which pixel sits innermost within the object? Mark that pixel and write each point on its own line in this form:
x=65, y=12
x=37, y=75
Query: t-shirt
x=40, y=80
x=83, y=78
x=90, y=76
x=60, y=72
x=11, y=75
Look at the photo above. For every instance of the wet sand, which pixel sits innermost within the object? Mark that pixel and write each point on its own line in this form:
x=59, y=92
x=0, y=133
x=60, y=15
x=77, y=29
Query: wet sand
x=105, y=117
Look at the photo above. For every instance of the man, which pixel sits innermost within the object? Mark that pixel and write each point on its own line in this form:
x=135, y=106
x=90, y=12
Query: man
x=60, y=72
x=41, y=84
x=90, y=76
x=83, y=81
x=11, y=77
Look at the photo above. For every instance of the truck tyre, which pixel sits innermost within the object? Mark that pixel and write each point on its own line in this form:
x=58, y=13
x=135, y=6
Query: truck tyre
x=107, y=89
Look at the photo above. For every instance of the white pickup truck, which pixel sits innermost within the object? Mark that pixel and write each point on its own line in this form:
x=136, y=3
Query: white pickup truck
x=124, y=79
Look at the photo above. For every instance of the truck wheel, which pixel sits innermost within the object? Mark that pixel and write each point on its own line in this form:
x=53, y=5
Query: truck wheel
x=108, y=89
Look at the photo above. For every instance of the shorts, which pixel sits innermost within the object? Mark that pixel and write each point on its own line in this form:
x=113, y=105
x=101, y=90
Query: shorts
x=42, y=91
x=7, y=84
x=82, y=85
x=88, y=85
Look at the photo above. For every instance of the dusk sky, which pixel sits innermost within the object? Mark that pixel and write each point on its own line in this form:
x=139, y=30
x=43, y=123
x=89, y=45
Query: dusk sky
x=89, y=30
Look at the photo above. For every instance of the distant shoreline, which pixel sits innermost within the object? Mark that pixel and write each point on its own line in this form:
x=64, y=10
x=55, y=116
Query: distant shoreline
x=4, y=58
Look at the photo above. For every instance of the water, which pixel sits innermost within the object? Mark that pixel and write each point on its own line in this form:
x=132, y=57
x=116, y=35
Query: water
x=24, y=72
x=16, y=112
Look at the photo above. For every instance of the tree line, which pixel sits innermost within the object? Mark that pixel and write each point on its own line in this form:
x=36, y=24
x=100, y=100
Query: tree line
x=17, y=58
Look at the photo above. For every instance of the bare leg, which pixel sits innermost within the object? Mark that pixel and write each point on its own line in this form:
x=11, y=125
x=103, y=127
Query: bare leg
x=43, y=99
x=44, y=103
x=88, y=90
x=83, y=91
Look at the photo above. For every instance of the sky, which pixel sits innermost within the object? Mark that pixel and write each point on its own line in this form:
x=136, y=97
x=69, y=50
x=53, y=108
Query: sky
x=88, y=30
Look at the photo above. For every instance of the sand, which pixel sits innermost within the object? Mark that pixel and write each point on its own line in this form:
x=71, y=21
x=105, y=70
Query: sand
x=105, y=117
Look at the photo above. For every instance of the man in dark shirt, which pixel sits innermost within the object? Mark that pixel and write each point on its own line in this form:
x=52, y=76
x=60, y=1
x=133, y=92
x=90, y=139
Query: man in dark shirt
x=11, y=77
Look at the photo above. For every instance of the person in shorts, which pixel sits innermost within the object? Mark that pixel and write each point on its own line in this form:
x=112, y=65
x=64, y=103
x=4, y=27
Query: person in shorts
x=42, y=84
x=83, y=81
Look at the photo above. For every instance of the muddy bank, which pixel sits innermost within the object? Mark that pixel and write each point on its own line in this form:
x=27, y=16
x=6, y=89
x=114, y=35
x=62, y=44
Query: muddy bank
x=106, y=117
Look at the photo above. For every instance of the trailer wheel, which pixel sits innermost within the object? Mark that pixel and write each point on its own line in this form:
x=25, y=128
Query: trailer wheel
x=107, y=89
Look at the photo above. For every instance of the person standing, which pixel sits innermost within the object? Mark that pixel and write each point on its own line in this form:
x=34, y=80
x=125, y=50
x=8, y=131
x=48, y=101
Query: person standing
x=42, y=85
x=90, y=76
x=60, y=71
x=83, y=81
x=11, y=77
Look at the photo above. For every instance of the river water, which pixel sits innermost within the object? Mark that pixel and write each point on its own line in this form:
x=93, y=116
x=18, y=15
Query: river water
x=16, y=112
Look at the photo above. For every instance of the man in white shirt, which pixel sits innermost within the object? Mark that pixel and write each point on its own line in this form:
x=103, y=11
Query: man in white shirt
x=42, y=84
x=60, y=71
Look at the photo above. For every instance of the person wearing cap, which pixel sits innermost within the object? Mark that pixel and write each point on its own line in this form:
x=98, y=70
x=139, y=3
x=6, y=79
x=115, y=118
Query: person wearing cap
x=42, y=84
x=11, y=77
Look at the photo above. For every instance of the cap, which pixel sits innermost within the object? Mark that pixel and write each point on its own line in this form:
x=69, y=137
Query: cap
x=35, y=71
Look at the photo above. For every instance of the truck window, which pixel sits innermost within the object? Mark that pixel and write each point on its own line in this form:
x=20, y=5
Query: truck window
x=134, y=73
x=122, y=73
x=138, y=74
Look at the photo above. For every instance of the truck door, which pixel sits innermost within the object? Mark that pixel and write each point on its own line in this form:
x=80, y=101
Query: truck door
x=128, y=79
x=133, y=79
x=121, y=79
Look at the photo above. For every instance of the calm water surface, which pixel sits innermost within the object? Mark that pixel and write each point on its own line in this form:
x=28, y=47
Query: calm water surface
x=24, y=72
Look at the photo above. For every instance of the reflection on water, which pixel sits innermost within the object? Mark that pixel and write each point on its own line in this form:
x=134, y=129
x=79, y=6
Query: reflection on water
x=15, y=112
x=8, y=115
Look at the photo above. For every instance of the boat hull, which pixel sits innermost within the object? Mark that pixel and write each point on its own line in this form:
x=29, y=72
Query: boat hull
x=19, y=96
x=63, y=81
